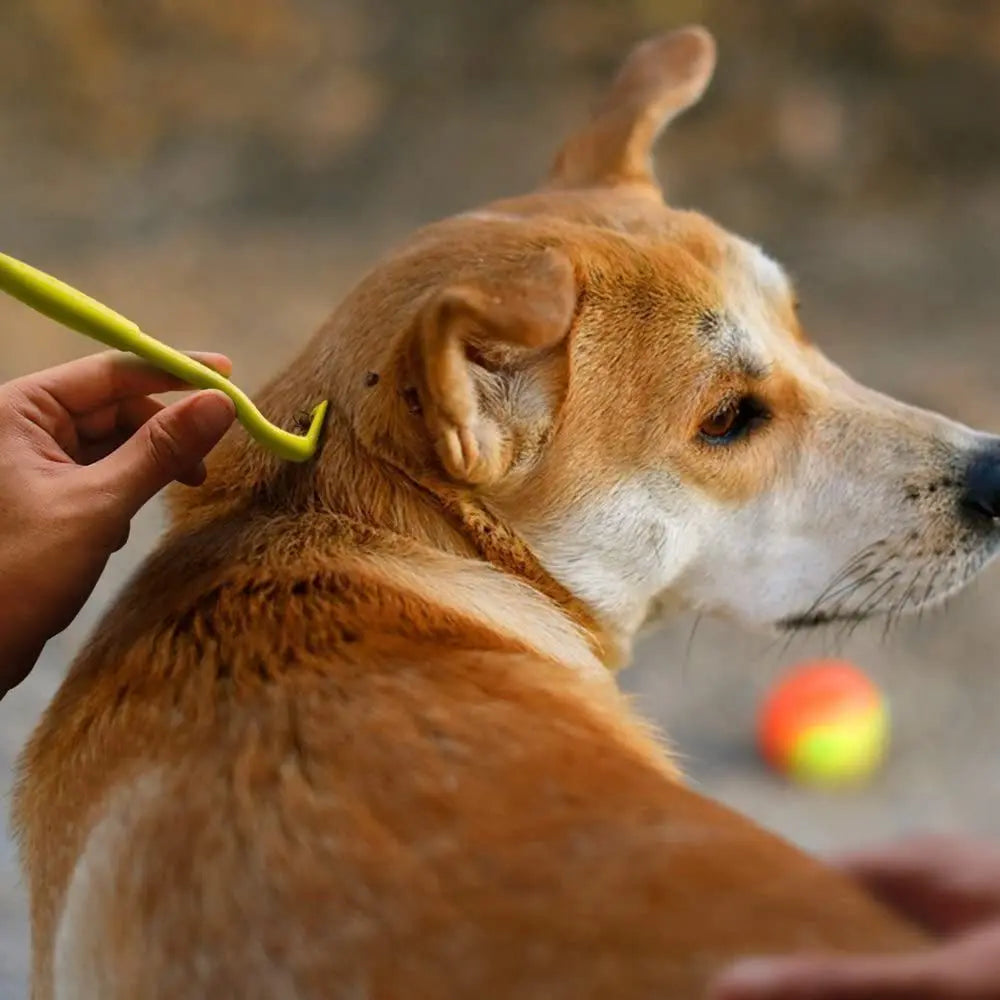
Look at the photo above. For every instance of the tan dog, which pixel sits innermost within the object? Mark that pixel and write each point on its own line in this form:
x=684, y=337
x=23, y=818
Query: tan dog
x=350, y=732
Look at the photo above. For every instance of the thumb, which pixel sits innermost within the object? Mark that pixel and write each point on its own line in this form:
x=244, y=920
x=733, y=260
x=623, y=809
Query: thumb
x=165, y=447
x=905, y=977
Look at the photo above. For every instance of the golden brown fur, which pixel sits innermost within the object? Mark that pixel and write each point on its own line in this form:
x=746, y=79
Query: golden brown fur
x=355, y=787
x=347, y=734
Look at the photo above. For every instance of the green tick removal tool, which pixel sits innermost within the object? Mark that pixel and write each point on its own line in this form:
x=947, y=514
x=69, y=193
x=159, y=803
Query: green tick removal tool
x=71, y=308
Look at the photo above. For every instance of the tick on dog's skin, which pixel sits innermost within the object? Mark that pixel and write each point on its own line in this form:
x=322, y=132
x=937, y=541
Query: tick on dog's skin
x=386, y=753
x=371, y=379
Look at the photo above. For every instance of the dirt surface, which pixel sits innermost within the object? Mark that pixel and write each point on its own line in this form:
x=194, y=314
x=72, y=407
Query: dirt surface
x=860, y=150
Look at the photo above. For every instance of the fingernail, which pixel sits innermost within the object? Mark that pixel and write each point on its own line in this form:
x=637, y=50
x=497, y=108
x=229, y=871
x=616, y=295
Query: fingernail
x=211, y=413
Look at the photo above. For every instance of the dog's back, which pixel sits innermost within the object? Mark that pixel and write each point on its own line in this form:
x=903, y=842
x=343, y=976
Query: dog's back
x=277, y=773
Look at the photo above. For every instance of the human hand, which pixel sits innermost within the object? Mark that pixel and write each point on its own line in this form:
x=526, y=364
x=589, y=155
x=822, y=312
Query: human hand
x=949, y=885
x=82, y=448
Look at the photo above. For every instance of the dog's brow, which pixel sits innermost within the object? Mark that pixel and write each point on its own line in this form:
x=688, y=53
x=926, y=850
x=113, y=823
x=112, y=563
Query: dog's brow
x=758, y=267
x=769, y=273
x=732, y=343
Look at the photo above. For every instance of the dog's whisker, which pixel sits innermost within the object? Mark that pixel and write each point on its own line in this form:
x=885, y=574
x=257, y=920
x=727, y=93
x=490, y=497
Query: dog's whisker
x=896, y=614
x=927, y=593
x=690, y=642
x=850, y=569
x=872, y=602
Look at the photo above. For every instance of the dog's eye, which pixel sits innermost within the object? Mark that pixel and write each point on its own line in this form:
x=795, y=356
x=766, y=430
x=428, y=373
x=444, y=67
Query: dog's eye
x=732, y=421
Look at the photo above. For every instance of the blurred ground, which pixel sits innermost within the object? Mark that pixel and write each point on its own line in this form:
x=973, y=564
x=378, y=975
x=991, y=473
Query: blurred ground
x=223, y=173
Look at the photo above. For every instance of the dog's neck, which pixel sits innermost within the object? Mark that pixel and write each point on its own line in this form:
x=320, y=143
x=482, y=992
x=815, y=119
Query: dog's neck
x=353, y=484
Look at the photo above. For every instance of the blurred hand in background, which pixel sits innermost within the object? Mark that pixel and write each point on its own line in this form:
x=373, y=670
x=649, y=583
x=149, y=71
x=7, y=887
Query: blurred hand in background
x=948, y=885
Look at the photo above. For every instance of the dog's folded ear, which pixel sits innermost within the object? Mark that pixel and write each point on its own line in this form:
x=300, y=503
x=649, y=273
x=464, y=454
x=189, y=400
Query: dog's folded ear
x=660, y=79
x=490, y=357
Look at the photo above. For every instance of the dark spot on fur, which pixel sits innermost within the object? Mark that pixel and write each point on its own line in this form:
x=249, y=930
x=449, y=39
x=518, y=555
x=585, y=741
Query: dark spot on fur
x=912, y=493
x=932, y=488
x=914, y=536
x=300, y=587
x=710, y=324
x=412, y=398
x=371, y=379
x=349, y=636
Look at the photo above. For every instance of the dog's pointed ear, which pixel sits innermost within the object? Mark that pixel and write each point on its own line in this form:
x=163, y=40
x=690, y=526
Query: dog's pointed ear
x=660, y=79
x=485, y=351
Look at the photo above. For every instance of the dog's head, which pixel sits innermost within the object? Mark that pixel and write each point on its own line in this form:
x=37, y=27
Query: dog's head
x=628, y=386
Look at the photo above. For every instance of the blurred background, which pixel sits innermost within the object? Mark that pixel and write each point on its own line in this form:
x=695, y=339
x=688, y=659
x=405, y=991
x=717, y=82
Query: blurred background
x=223, y=172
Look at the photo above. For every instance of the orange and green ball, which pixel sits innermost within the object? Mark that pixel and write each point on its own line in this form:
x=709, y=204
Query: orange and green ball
x=824, y=724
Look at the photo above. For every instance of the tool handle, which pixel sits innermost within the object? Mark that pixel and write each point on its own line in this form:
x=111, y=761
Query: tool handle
x=71, y=308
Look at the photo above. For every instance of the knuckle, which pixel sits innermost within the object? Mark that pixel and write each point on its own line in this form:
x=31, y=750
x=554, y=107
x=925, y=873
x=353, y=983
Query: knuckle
x=164, y=444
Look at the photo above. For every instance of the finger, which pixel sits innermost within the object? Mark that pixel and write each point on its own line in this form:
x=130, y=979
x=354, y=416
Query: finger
x=94, y=453
x=908, y=977
x=128, y=417
x=930, y=853
x=193, y=476
x=167, y=447
x=99, y=380
x=911, y=853
x=118, y=420
x=115, y=425
x=946, y=883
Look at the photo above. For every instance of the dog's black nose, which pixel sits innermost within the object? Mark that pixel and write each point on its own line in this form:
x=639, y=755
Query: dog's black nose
x=981, y=496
